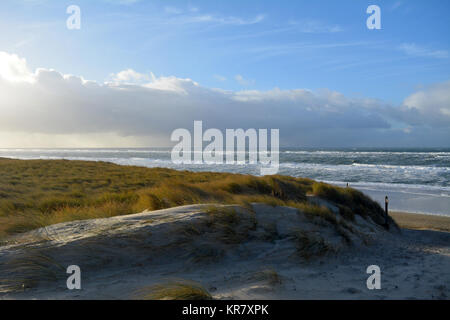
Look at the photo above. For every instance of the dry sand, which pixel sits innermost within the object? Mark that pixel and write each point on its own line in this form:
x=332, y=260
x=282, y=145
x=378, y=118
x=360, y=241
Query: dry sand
x=421, y=221
x=119, y=256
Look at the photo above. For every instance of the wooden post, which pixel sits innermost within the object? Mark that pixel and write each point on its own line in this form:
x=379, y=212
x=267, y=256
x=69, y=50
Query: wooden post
x=386, y=211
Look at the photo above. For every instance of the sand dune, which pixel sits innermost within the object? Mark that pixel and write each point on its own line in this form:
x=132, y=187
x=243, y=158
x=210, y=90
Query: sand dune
x=261, y=252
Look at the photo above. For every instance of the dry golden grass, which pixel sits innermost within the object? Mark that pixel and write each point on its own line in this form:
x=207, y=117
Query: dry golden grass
x=312, y=211
x=230, y=226
x=37, y=193
x=350, y=201
x=174, y=290
x=269, y=276
x=311, y=245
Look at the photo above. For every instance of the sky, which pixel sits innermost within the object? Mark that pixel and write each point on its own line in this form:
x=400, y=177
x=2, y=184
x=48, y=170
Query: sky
x=136, y=70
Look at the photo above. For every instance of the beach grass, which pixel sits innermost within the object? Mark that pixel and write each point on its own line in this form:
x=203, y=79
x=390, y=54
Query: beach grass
x=267, y=275
x=174, y=290
x=38, y=193
x=30, y=267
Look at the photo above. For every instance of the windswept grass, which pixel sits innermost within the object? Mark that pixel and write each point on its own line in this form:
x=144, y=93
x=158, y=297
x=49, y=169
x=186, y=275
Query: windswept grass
x=312, y=211
x=269, y=276
x=30, y=268
x=350, y=202
x=174, y=290
x=311, y=245
x=223, y=216
x=229, y=225
x=37, y=193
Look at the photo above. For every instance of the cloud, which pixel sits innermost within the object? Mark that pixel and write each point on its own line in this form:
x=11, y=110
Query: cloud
x=13, y=68
x=243, y=82
x=414, y=50
x=122, y=2
x=187, y=18
x=218, y=77
x=266, y=51
x=230, y=20
x=427, y=106
x=130, y=76
x=314, y=26
x=47, y=108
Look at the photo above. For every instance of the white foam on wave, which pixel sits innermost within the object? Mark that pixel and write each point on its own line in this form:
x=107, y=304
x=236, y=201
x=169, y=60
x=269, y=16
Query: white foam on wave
x=418, y=189
x=88, y=151
x=369, y=153
x=362, y=166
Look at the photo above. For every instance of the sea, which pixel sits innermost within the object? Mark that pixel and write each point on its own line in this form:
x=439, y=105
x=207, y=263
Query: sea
x=415, y=180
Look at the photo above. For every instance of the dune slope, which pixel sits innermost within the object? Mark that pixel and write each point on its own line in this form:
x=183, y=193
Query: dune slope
x=233, y=252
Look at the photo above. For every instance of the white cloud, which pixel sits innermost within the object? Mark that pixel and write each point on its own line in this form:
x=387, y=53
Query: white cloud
x=46, y=108
x=414, y=50
x=243, y=82
x=173, y=84
x=122, y=2
x=13, y=68
x=218, y=77
x=430, y=105
x=314, y=26
x=131, y=76
x=230, y=20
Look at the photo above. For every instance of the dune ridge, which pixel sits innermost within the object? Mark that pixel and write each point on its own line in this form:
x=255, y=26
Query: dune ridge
x=233, y=251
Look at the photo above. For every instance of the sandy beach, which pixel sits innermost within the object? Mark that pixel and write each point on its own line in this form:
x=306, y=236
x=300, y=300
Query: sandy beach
x=421, y=221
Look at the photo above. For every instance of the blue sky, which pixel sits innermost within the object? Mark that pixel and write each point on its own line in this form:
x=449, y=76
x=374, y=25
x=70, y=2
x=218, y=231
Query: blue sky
x=315, y=60
x=285, y=44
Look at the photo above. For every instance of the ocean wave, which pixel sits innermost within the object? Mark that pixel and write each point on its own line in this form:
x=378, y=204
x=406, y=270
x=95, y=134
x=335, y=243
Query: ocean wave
x=366, y=153
x=419, y=189
x=168, y=150
x=89, y=151
x=405, y=167
x=357, y=166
